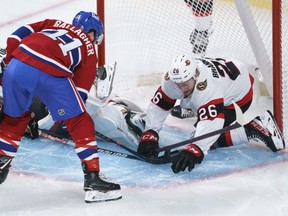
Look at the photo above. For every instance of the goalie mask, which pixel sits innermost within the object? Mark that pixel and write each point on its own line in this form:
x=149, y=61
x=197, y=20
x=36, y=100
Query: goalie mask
x=89, y=21
x=182, y=69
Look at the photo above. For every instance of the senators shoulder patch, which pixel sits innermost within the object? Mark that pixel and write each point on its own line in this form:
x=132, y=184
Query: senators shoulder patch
x=201, y=86
x=166, y=76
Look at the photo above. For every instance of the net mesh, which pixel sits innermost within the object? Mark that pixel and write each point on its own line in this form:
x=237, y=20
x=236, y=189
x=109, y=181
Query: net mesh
x=144, y=36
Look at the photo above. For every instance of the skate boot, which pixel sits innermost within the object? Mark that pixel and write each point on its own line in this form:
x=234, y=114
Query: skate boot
x=199, y=41
x=182, y=113
x=265, y=129
x=98, y=189
x=4, y=167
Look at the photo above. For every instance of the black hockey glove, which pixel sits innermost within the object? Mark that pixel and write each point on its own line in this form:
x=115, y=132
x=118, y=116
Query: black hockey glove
x=2, y=66
x=187, y=158
x=149, y=140
x=1, y=110
x=101, y=73
x=32, y=129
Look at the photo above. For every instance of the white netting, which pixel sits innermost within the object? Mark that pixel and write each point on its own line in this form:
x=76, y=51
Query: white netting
x=144, y=36
x=285, y=67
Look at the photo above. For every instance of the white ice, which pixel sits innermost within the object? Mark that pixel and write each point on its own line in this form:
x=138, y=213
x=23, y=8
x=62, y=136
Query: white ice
x=262, y=190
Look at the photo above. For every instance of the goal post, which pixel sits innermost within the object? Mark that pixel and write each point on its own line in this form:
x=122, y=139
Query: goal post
x=278, y=85
x=144, y=36
x=100, y=8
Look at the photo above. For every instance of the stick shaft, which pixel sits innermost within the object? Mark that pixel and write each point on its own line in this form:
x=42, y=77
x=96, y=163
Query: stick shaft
x=102, y=150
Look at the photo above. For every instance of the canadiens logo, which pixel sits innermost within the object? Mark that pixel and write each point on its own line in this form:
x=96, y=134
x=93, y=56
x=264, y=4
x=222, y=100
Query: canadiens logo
x=201, y=86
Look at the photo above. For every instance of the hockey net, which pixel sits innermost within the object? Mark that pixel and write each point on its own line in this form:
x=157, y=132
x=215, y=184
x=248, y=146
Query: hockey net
x=144, y=36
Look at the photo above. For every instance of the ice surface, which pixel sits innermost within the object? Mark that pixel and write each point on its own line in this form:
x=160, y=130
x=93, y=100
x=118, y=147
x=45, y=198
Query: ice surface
x=46, y=177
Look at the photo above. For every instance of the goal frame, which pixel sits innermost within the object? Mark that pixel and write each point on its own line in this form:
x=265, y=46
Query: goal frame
x=276, y=59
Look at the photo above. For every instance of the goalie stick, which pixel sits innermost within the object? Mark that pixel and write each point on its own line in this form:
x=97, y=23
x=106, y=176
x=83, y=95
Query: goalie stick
x=239, y=123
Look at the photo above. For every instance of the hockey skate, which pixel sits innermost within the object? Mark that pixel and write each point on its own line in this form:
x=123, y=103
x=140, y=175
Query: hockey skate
x=4, y=167
x=98, y=189
x=265, y=129
x=182, y=113
x=199, y=41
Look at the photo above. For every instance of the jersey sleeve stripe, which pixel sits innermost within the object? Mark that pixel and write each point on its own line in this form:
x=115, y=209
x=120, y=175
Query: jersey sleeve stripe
x=43, y=58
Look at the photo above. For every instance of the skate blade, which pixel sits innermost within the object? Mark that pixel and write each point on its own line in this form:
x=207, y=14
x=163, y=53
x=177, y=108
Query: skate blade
x=102, y=196
x=273, y=128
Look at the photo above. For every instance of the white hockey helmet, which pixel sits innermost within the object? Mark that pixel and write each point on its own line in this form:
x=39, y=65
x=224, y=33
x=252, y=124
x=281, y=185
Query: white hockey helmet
x=183, y=68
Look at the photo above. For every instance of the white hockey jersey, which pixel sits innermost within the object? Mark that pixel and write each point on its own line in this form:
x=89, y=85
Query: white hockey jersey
x=220, y=83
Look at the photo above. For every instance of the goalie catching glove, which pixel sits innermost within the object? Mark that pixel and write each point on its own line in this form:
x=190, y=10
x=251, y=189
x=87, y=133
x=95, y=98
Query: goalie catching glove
x=187, y=158
x=149, y=141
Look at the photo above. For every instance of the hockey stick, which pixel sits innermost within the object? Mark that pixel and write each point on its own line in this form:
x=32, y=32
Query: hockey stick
x=102, y=150
x=239, y=123
x=166, y=158
x=160, y=160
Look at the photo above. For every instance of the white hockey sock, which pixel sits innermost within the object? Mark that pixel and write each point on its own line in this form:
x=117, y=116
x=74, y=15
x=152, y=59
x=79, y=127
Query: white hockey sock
x=46, y=123
x=239, y=136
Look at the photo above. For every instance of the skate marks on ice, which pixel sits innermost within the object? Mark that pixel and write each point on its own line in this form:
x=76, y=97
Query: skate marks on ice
x=58, y=161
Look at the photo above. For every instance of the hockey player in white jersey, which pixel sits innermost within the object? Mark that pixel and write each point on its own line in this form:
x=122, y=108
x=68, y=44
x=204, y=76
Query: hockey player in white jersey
x=208, y=87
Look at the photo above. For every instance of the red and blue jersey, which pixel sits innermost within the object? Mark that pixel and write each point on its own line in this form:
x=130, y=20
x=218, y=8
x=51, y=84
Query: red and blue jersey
x=56, y=48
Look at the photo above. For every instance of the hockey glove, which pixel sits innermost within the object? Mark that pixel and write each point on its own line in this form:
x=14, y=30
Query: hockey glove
x=187, y=158
x=101, y=73
x=149, y=140
x=2, y=66
x=32, y=130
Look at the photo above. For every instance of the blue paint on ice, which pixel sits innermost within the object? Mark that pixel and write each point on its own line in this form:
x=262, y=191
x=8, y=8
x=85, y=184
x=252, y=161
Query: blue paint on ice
x=59, y=161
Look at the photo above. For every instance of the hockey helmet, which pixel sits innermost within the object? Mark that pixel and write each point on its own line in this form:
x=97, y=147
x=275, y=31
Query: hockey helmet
x=183, y=68
x=89, y=21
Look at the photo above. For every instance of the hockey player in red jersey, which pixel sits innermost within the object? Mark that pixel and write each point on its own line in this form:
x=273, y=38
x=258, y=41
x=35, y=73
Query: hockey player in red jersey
x=202, y=15
x=55, y=61
x=208, y=87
